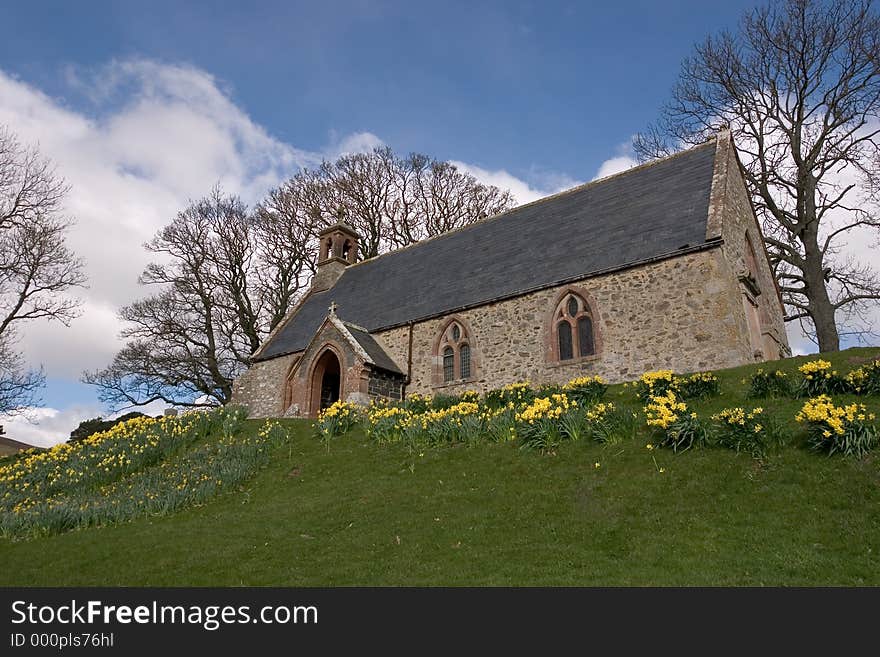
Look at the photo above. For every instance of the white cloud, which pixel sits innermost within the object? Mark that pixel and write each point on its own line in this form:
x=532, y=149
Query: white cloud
x=45, y=426
x=90, y=342
x=615, y=165
x=625, y=159
x=359, y=142
x=157, y=136
x=522, y=191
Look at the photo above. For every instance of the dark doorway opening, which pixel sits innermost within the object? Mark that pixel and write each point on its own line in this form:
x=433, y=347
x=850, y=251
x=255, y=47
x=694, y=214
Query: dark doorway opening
x=326, y=382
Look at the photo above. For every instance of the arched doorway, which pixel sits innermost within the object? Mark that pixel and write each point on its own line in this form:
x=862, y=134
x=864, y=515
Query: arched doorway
x=326, y=383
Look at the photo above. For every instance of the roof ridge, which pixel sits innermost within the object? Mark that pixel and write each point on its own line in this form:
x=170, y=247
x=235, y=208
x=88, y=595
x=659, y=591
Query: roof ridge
x=356, y=327
x=484, y=220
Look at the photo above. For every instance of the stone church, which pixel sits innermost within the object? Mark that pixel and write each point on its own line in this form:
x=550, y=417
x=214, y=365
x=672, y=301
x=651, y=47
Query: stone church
x=661, y=266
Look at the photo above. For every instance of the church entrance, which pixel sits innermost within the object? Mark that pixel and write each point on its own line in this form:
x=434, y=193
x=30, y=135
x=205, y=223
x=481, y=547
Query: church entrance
x=326, y=382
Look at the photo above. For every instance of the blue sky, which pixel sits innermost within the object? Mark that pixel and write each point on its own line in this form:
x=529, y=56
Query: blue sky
x=526, y=86
x=145, y=105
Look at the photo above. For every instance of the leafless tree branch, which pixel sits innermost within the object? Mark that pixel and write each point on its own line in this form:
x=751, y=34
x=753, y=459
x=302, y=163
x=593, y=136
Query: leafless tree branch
x=798, y=85
x=37, y=269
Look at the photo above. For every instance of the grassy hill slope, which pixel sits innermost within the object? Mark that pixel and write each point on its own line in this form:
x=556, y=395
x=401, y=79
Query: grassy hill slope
x=362, y=514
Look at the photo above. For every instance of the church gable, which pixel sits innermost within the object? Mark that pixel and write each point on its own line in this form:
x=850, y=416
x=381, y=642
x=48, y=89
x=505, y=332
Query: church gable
x=341, y=362
x=743, y=247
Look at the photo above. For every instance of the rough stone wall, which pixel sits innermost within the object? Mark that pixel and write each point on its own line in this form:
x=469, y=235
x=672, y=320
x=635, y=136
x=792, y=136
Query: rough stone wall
x=327, y=274
x=737, y=219
x=682, y=313
x=261, y=388
x=384, y=384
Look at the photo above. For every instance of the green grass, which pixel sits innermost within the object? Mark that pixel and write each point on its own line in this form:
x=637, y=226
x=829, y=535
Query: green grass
x=361, y=514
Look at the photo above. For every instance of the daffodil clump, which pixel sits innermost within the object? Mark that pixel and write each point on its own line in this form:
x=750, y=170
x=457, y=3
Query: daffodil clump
x=672, y=424
x=692, y=386
x=388, y=424
x=662, y=411
x=654, y=384
x=459, y=423
x=107, y=455
x=738, y=417
x=819, y=378
x=439, y=402
x=586, y=389
x=540, y=424
x=545, y=408
x=746, y=431
x=149, y=466
x=499, y=424
x=848, y=429
x=865, y=380
x=605, y=424
x=515, y=393
x=417, y=403
x=470, y=396
x=701, y=385
x=541, y=416
x=337, y=419
x=769, y=383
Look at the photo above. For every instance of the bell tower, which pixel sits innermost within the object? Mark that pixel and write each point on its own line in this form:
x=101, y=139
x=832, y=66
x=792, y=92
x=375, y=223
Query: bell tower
x=338, y=250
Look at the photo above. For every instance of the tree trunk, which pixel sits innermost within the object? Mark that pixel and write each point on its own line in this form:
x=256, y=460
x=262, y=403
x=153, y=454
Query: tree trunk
x=821, y=309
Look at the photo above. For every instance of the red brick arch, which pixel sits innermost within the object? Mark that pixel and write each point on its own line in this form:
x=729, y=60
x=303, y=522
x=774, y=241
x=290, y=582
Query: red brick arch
x=316, y=371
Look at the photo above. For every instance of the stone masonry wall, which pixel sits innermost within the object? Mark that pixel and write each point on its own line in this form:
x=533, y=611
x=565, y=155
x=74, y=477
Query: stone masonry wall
x=731, y=217
x=385, y=384
x=261, y=388
x=682, y=313
x=737, y=219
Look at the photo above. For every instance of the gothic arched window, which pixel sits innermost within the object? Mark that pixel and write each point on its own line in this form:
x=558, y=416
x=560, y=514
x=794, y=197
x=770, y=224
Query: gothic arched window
x=566, y=346
x=464, y=361
x=454, y=350
x=573, y=328
x=448, y=364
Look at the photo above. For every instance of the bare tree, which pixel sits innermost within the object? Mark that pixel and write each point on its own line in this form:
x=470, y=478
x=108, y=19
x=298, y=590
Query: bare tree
x=285, y=230
x=391, y=201
x=37, y=270
x=227, y=277
x=798, y=84
x=19, y=387
x=188, y=341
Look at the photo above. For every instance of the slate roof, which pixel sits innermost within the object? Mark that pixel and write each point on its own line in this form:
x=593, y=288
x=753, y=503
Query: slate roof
x=375, y=351
x=652, y=211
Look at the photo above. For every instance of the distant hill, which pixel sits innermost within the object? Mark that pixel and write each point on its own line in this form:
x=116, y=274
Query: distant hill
x=9, y=446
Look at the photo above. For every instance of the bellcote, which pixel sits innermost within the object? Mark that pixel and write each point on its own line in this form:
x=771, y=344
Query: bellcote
x=339, y=242
x=338, y=249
